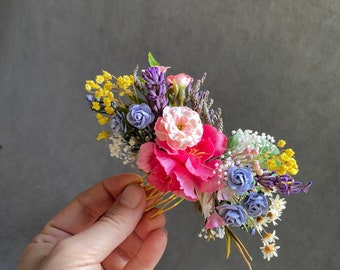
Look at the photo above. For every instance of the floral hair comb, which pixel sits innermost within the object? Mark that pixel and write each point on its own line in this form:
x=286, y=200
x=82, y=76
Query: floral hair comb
x=167, y=127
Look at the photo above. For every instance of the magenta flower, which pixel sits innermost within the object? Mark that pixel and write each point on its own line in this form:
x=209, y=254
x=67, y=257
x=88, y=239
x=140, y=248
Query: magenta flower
x=183, y=171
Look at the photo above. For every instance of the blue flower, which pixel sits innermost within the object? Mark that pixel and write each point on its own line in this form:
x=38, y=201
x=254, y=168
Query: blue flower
x=240, y=180
x=232, y=214
x=140, y=115
x=117, y=124
x=255, y=204
x=89, y=98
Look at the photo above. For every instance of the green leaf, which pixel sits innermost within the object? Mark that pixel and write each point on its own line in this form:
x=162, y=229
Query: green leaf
x=152, y=60
x=232, y=142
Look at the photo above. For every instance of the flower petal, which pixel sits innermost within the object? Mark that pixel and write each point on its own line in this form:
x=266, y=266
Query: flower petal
x=146, y=157
x=218, y=138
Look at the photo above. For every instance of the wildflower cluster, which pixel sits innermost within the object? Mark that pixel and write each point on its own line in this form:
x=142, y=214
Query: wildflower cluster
x=166, y=126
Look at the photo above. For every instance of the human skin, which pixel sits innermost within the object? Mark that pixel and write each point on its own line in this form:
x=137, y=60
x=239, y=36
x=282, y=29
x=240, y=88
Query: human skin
x=105, y=227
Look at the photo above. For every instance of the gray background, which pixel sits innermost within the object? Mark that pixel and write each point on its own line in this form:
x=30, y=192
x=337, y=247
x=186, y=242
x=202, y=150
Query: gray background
x=273, y=66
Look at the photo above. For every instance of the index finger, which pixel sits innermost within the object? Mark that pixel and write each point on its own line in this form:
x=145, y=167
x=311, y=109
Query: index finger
x=91, y=204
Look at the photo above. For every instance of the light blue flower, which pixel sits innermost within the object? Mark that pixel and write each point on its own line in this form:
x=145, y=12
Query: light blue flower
x=117, y=124
x=140, y=115
x=240, y=180
x=255, y=204
x=232, y=214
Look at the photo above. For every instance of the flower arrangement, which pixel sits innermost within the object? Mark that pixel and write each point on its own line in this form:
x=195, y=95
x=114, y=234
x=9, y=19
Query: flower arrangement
x=167, y=127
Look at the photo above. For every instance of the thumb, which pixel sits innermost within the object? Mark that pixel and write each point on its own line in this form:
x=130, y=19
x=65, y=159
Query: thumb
x=95, y=243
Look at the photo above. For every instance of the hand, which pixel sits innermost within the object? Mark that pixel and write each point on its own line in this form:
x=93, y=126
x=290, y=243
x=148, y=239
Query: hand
x=102, y=228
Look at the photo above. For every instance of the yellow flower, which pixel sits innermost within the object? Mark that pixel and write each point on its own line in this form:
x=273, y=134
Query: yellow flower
x=88, y=87
x=92, y=84
x=98, y=94
x=281, y=170
x=108, y=86
x=125, y=81
x=109, y=110
x=283, y=157
x=110, y=96
x=281, y=143
x=99, y=79
x=95, y=106
x=271, y=163
x=293, y=171
x=107, y=101
x=292, y=163
x=289, y=152
x=107, y=76
x=102, y=120
x=103, y=135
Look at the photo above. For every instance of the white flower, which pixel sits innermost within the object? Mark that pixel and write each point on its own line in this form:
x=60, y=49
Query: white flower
x=269, y=251
x=218, y=232
x=261, y=222
x=269, y=238
x=278, y=204
x=248, y=139
x=273, y=216
x=121, y=149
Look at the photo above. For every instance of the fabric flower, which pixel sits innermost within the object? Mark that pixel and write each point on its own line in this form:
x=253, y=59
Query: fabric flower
x=156, y=88
x=255, y=204
x=180, y=127
x=181, y=81
x=232, y=214
x=184, y=171
x=140, y=115
x=117, y=124
x=214, y=221
x=240, y=180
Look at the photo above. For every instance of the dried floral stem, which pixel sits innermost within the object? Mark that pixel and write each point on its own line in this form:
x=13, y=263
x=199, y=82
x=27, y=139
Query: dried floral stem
x=241, y=248
x=227, y=240
x=165, y=201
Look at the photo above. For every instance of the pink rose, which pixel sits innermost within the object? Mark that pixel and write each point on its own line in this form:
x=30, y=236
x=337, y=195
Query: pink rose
x=184, y=171
x=180, y=80
x=180, y=127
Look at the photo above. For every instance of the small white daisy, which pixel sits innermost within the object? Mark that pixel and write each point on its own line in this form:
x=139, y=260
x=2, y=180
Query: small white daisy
x=269, y=251
x=273, y=216
x=261, y=222
x=278, y=203
x=269, y=238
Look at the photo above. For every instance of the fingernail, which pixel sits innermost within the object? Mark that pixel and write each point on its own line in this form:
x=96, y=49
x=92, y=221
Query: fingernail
x=131, y=196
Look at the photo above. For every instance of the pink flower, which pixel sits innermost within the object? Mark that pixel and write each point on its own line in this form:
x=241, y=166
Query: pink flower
x=162, y=68
x=184, y=171
x=214, y=221
x=180, y=80
x=180, y=127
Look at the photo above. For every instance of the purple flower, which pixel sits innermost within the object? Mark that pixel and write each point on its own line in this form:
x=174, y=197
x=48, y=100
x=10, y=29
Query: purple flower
x=232, y=214
x=240, y=180
x=117, y=124
x=140, y=115
x=255, y=204
x=285, y=184
x=156, y=86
